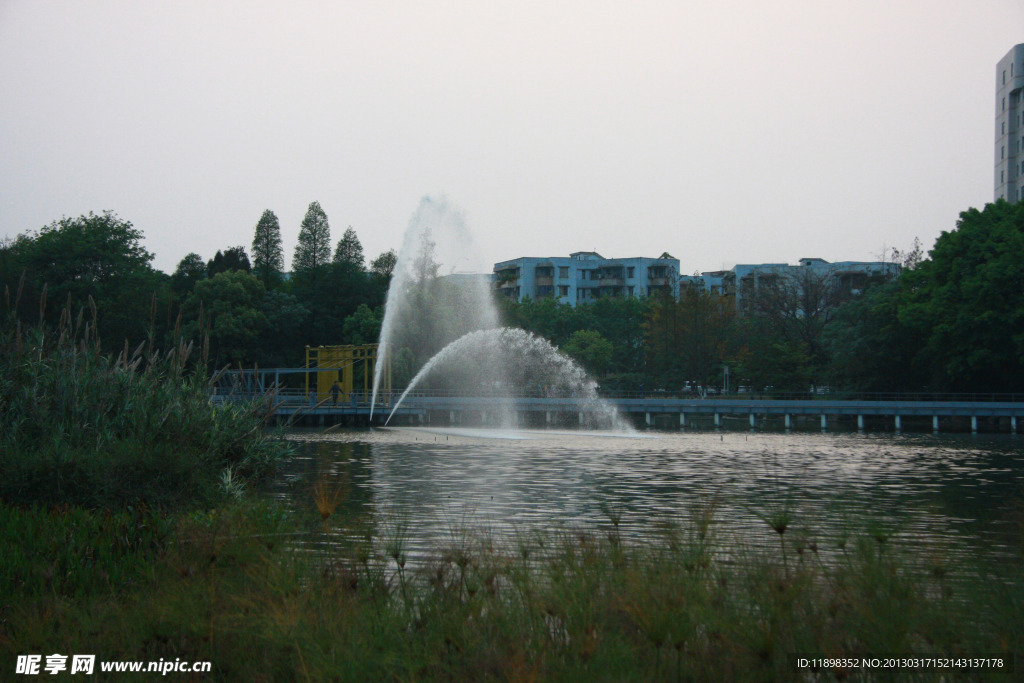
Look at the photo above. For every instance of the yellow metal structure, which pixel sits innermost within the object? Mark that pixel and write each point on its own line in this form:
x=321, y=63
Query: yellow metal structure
x=352, y=367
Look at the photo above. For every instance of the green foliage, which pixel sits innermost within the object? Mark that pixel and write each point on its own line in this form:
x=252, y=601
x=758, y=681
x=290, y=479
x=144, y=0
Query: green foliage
x=349, y=249
x=76, y=552
x=314, y=246
x=74, y=259
x=190, y=270
x=86, y=429
x=870, y=348
x=283, y=338
x=363, y=326
x=267, y=252
x=234, y=258
x=687, y=340
x=778, y=366
x=223, y=587
x=590, y=350
x=227, y=307
x=384, y=265
x=967, y=302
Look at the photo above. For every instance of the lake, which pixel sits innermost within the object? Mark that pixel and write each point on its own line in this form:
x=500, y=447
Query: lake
x=958, y=494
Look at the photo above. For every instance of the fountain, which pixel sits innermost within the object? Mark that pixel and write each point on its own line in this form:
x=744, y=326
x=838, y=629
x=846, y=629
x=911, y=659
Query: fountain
x=426, y=308
x=510, y=361
x=448, y=328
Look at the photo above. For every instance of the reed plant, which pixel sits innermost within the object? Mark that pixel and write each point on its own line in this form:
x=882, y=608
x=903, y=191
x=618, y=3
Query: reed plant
x=557, y=605
x=85, y=428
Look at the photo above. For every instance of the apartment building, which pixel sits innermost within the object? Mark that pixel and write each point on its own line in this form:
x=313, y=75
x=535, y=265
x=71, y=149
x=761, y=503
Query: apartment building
x=586, y=276
x=1009, y=152
x=744, y=279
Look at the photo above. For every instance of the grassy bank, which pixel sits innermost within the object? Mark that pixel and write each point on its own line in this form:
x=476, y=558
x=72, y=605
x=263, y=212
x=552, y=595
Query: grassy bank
x=224, y=586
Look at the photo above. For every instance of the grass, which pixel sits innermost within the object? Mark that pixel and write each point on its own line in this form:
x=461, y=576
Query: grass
x=83, y=428
x=226, y=586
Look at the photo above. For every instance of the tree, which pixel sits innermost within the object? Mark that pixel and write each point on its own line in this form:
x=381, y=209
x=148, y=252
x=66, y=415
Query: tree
x=381, y=270
x=349, y=249
x=229, y=307
x=796, y=310
x=94, y=256
x=234, y=258
x=314, y=246
x=591, y=350
x=384, y=265
x=267, y=252
x=85, y=254
x=283, y=340
x=363, y=326
x=687, y=339
x=966, y=301
x=870, y=349
x=190, y=270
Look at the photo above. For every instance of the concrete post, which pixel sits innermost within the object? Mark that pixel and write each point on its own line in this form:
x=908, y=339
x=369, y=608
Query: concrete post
x=974, y=424
x=451, y=417
x=682, y=420
x=824, y=422
x=1013, y=424
x=647, y=419
x=789, y=421
x=581, y=418
x=547, y=417
x=935, y=423
x=753, y=420
x=718, y=420
x=899, y=424
x=860, y=423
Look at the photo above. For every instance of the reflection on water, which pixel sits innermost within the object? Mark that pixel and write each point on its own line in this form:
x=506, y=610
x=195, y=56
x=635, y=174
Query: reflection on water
x=947, y=489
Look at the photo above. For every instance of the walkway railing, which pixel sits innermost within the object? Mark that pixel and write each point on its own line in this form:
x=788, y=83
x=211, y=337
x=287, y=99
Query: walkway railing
x=298, y=396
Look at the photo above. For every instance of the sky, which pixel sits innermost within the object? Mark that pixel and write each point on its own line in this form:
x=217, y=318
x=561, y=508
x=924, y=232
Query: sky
x=720, y=131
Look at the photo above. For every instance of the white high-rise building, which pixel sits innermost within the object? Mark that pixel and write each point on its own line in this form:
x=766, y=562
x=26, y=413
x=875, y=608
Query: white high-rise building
x=1009, y=177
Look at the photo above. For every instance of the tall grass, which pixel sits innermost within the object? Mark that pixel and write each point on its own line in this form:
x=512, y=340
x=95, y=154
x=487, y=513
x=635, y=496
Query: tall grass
x=83, y=428
x=548, y=606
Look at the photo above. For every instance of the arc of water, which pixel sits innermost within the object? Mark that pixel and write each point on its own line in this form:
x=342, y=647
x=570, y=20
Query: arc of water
x=521, y=347
x=441, y=356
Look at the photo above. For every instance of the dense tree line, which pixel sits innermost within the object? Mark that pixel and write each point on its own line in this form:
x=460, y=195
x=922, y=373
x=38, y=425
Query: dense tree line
x=953, y=321
x=244, y=311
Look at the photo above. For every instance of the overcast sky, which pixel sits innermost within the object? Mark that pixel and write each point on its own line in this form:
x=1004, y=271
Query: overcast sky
x=721, y=131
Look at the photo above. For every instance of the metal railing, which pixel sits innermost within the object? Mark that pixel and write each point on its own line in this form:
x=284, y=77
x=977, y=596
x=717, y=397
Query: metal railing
x=289, y=396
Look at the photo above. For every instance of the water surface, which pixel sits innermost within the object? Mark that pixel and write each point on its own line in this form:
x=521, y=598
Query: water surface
x=954, y=493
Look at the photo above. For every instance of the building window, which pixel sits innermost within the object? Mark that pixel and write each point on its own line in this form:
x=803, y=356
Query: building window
x=1004, y=76
x=563, y=272
x=629, y=272
x=1004, y=127
x=563, y=290
x=1002, y=152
